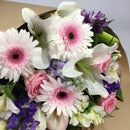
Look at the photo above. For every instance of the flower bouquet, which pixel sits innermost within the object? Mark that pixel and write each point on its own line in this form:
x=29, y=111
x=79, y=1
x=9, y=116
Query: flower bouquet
x=58, y=71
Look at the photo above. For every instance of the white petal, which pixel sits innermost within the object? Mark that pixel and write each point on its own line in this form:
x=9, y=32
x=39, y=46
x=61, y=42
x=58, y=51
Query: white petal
x=69, y=69
x=40, y=116
x=55, y=122
x=4, y=72
x=58, y=111
x=40, y=59
x=66, y=8
x=16, y=75
x=100, y=52
x=96, y=88
x=30, y=17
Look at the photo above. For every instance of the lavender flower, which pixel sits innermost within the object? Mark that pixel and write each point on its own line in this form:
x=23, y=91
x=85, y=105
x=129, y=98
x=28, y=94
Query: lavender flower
x=30, y=124
x=114, y=87
x=96, y=20
x=24, y=120
x=13, y=121
x=55, y=68
x=26, y=106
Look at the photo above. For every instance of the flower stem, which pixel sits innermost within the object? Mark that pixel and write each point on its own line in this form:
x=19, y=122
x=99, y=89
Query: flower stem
x=107, y=38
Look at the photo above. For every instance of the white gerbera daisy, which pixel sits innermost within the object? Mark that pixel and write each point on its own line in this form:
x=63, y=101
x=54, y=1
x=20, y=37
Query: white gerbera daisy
x=69, y=37
x=64, y=100
x=18, y=54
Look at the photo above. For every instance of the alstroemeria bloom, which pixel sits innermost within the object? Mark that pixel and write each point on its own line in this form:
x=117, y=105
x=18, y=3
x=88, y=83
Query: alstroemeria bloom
x=19, y=54
x=7, y=107
x=111, y=74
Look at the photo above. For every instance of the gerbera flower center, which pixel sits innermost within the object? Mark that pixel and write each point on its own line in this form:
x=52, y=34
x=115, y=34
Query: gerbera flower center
x=61, y=94
x=15, y=55
x=71, y=36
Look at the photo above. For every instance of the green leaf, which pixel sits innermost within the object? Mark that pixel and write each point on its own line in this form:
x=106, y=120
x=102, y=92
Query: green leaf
x=119, y=95
x=110, y=21
x=8, y=92
x=109, y=115
x=95, y=40
x=116, y=108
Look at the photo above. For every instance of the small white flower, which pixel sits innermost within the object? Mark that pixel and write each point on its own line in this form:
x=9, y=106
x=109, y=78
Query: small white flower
x=111, y=74
x=7, y=107
x=2, y=124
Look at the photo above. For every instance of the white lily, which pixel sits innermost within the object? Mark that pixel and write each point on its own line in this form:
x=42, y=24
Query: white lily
x=40, y=116
x=98, y=55
x=68, y=8
x=55, y=122
x=7, y=107
x=69, y=68
x=39, y=28
x=96, y=88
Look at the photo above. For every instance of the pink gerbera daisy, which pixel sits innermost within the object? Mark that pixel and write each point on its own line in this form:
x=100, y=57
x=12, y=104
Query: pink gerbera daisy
x=17, y=54
x=64, y=100
x=70, y=38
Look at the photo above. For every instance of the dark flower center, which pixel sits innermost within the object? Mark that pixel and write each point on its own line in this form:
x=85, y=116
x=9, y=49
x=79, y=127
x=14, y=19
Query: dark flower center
x=62, y=94
x=71, y=36
x=15, y=56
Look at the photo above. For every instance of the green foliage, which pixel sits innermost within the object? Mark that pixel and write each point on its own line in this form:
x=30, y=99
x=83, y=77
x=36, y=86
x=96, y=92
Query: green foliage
x=8, y=91
x=116, y=108
x=109, y=115
x=95, y=40
x=119, y=95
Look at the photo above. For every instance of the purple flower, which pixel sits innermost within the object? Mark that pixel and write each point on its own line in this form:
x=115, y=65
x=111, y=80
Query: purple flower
x=114, y=87
x=55, y=68
x=96, y=20
x=30, y=124
x=26, y=106
x=27, y=110
x=13, y=121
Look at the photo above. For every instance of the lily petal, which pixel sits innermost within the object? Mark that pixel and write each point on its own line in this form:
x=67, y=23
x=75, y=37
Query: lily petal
x=40, y=59
x=55, y=122
x=100, y=53
x=96, y=88
x=32, y=20
x=69, y=68
x=40, y=116
x=67, y=8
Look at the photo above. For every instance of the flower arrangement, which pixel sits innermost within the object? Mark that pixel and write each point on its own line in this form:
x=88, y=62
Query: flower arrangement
x=61, y=72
